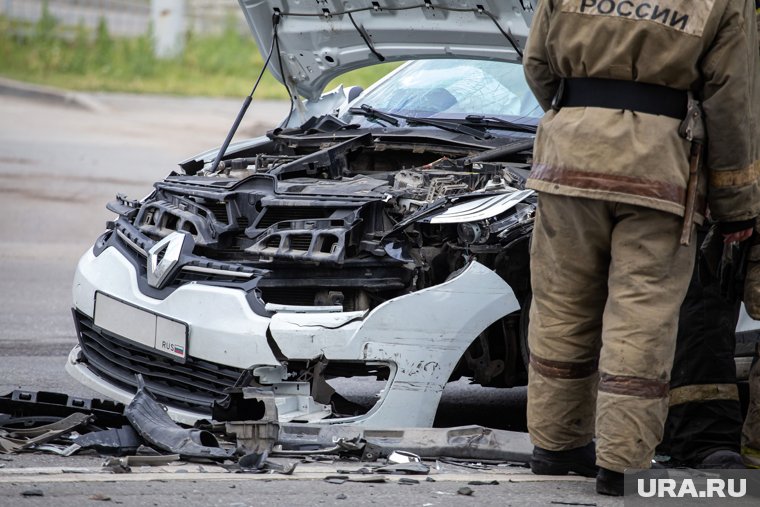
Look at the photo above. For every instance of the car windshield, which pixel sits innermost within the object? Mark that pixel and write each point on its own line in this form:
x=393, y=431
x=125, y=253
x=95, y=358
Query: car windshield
x=454, y=89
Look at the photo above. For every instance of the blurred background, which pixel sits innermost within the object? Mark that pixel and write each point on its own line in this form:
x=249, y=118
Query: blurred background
x=177, y=47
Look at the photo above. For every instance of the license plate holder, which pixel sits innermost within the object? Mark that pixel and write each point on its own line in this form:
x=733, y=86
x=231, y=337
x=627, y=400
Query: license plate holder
x=144, y=328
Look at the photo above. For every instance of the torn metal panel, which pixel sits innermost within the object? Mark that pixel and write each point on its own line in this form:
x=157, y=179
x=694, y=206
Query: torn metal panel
x=465, y=442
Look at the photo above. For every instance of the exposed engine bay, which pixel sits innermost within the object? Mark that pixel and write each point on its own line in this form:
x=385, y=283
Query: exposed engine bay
x=344, y=224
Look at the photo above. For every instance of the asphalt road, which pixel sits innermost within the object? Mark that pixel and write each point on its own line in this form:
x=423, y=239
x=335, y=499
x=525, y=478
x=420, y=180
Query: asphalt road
x=59, y=165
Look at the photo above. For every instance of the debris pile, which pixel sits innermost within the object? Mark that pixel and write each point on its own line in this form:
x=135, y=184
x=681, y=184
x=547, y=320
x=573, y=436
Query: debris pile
x=142, y=434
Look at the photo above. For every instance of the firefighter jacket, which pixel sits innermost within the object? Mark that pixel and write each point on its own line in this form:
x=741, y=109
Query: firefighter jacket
x=708, y=47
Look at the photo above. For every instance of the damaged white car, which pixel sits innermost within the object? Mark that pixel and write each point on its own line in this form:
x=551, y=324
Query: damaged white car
x=383, y=234
x=380, y=233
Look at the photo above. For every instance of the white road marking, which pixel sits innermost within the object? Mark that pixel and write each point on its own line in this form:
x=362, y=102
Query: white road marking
x=303, y=472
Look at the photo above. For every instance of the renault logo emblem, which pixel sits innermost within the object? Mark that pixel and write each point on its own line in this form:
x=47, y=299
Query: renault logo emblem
x=163, y=258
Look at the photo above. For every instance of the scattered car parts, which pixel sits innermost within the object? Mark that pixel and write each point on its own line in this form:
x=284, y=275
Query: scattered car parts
x=399, y=451
x=153, y=424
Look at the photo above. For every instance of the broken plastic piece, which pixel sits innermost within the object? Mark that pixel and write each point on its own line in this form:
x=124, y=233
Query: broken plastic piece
x=8, y=446
x=404, y=468
x=261, y=433
x=150, y=420
x=43, y=434
x=116, y=441
x=463, y=463
x=21, y=403
x=368, y=479
x=63, y=426
x=139, y=461
x=257, y=462
x=465, y=442
x=53, y=449
x=403, y=457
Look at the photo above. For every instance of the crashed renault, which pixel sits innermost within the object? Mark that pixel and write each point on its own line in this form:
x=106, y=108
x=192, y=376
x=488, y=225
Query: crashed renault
x=380, y=233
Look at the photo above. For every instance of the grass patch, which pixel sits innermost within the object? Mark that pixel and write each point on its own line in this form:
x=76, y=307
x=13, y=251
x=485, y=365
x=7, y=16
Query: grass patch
x=223, y=65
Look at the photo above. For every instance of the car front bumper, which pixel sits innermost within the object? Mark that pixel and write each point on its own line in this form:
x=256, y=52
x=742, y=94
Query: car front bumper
x=420, y=337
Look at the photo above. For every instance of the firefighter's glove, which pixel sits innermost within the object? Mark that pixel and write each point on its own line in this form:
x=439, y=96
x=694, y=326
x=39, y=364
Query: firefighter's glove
x=752, y=278
x=725, y=264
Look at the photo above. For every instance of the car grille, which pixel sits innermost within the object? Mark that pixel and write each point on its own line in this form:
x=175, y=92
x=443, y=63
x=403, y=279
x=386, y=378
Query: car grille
x=275, y=214
x=300, y=242
x=219, y=210
x=201, y=270
x=194, y=384
x=297, y=296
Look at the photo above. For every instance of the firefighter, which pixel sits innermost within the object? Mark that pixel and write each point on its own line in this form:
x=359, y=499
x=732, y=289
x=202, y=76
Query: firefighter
x=704, y=422
x=704, y=419
x=613, y=166
x=751, y=431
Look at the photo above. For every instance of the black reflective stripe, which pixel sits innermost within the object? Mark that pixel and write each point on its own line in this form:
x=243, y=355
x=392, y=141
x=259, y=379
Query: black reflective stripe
x=624, y=95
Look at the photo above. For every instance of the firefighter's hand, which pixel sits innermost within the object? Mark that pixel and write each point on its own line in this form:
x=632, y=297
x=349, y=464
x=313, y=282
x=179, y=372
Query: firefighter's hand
x=738, y=237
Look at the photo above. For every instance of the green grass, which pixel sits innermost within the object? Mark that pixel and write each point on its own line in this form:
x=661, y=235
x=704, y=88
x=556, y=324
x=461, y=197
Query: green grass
x=224, y=65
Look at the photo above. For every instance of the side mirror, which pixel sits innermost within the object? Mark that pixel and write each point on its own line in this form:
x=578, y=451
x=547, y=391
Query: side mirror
x=353, y=92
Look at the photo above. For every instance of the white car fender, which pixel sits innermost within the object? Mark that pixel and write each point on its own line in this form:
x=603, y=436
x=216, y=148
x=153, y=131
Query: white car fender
x=421, y=336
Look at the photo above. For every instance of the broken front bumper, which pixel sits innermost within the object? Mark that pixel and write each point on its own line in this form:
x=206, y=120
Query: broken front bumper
x=420, y=337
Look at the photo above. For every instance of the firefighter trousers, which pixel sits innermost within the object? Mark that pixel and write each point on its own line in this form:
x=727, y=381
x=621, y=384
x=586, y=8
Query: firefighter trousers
x=608, y=280
x=705, y=414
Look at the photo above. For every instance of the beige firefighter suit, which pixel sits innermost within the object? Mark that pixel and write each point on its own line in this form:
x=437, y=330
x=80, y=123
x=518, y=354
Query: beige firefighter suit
x=608, y=272
x=751, y=429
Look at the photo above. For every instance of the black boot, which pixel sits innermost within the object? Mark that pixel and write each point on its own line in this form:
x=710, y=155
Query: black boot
x=609, y=482
x=722, y=459
x=581, y=460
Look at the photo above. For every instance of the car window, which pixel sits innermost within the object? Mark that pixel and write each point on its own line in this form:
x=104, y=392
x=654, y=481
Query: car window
x=456, y=88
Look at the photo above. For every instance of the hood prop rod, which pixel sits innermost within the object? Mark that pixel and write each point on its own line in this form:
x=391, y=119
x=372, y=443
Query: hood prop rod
x=247, y=102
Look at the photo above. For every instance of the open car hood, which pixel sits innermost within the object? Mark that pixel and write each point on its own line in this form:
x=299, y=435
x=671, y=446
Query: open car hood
x=321, y=39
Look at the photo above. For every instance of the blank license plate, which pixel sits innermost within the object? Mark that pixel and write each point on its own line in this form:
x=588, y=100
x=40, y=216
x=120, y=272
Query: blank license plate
x=167, y=336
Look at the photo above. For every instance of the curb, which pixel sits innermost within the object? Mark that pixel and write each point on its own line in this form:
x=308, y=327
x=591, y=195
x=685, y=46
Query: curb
x=50, y=94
